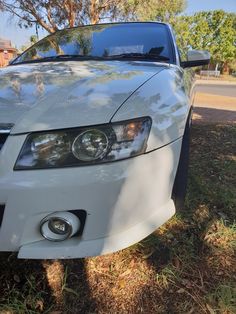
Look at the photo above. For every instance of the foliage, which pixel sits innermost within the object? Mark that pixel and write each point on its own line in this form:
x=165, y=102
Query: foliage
x=214, y=31
x=56, y=14
x=32, y=40
x=152, y=10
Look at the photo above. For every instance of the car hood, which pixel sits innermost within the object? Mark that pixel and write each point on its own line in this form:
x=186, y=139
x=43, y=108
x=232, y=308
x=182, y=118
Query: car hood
x=55, y=95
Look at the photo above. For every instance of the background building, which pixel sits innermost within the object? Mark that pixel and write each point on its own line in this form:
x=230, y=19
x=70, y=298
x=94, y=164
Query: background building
x=7, y=52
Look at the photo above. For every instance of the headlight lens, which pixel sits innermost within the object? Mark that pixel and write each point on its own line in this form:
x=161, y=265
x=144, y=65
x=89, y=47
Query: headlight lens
x=90, y=145
x=83, y=146
x=53, y=147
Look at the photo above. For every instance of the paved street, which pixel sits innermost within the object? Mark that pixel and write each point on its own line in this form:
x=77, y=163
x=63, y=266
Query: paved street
x=215, y=103
x=217, y=89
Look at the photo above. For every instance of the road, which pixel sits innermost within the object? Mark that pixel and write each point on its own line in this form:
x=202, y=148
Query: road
x=216, y=89
x=215, y=103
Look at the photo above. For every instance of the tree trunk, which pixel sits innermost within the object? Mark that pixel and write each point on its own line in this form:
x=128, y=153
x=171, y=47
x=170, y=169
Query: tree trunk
x=70, y=8
x=94, y=14
x=225, y=68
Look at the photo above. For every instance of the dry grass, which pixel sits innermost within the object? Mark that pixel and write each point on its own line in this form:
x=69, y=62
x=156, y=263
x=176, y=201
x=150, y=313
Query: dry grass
x=186, y=266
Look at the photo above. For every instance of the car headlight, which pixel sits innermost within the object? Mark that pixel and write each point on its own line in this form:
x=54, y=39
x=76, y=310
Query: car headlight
x=84, y=146
x=90, y=145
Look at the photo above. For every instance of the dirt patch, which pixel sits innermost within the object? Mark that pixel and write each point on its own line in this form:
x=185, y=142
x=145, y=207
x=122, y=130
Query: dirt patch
x=210, y=108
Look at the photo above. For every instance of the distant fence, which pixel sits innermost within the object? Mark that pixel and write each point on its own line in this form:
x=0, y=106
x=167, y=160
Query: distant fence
x=208, y=73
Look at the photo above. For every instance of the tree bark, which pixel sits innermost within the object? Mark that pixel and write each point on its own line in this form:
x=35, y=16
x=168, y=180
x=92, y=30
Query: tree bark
x=94, y=14
x=225, y=68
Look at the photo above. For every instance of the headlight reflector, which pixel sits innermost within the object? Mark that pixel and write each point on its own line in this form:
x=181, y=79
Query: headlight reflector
x=84, y=146
x=54, y=147
x=90, y=145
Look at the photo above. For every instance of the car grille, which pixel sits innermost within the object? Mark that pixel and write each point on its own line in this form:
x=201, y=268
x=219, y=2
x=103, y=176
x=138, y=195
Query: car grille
x=5, y=130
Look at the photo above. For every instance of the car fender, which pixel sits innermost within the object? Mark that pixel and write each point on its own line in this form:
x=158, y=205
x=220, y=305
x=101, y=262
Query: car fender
x=166, y=101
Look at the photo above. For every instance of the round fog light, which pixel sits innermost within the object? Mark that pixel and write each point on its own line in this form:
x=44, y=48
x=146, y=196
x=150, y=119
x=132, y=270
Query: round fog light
x=59, y=226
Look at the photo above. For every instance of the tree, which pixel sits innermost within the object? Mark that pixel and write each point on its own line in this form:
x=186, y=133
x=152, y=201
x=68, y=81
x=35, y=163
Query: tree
x=56, y=14
x=33, y=39
x=182, y=27
x=214, y=31
x=152, y=10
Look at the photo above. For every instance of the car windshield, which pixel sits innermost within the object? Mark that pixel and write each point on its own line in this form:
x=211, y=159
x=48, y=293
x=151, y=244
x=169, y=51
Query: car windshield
x=105, y=41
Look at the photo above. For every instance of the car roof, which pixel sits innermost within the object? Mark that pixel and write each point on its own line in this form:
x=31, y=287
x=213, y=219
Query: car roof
x=113, y=23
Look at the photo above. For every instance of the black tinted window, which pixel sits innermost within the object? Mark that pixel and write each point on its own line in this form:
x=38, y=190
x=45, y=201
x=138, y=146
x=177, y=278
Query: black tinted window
x=104, y=41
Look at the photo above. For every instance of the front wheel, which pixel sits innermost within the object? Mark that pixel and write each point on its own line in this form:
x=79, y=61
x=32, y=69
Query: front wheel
x=181, y=178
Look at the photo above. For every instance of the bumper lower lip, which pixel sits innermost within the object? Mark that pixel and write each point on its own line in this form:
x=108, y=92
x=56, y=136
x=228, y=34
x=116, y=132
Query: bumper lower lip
x=78, y=249
x=124, y=201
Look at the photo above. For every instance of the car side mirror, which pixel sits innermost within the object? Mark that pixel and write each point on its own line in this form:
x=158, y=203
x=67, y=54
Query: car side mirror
x=196, y=58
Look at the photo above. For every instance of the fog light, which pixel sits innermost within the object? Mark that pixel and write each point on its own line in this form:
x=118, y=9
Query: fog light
x=59, y=226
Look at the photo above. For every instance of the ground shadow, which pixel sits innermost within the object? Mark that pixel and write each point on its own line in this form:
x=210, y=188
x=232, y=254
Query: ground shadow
x=189, y=262
x=35, y=286
x=213, y=115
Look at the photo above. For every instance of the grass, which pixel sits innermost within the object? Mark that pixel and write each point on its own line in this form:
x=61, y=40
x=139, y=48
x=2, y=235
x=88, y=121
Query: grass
x=186, y=266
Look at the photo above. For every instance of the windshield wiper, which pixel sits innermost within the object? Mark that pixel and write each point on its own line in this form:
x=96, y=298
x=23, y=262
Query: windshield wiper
x=55, y=58
x=65, y=56
x=134, y=55
x=140, y=56
x=122, y=55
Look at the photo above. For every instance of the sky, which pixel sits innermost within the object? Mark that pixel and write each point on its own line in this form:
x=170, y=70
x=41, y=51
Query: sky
x=206, y=5
x=10, y=30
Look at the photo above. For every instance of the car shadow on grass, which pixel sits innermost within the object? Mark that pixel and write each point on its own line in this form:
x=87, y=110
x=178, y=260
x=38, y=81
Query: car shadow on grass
x=35, y=286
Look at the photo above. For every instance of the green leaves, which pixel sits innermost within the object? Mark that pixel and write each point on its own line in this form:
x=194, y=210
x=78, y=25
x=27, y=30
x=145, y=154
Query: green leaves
x=152, y=10
x=214, y=31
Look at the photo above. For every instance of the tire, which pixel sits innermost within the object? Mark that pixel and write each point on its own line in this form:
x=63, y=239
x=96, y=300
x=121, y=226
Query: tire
x=181, y=177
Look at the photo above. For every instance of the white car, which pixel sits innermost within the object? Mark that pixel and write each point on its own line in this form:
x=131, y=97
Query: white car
x=94, y=131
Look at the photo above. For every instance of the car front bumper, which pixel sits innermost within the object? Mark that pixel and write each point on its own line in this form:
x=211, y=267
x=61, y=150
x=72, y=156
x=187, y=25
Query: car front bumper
x=125, y=201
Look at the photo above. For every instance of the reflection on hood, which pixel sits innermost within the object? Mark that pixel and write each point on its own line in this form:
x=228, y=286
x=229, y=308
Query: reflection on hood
x=67, y=94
